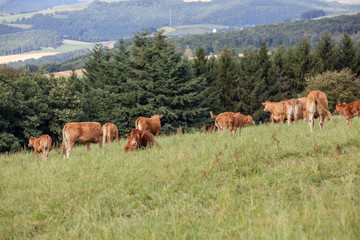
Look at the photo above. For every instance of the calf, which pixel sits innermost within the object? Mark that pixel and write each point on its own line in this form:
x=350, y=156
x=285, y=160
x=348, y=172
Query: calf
x=348, y=110
x=276, y=109
x=41, y=144
x=239, y=121
x=110, y=132
x=223, y=120
x=152, y=124
x=139, y=139
x=83, y=132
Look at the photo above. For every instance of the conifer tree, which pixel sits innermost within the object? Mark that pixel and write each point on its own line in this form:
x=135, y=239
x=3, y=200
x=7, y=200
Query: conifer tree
x=347, y=54
x=325, y=53
x=252, y=86
x=278, y=74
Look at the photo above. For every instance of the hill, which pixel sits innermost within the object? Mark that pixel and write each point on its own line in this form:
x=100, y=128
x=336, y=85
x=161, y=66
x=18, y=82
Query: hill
x=270, y=182
x=111, y=20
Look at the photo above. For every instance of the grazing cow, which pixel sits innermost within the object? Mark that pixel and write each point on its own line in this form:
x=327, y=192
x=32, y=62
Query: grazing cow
x=348, y=110
x=139, y=139
x=276, y=109
x=223, y=120
x=317, y=104
x=152, y=124
x=110, y=132
x=41, y=144
x=293, y=110
x=83, y=132
x=303, y=101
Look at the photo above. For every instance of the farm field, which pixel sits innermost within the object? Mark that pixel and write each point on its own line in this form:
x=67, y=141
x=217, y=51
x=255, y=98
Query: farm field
x=191, y=29
x=270, y=182
x=68, y=46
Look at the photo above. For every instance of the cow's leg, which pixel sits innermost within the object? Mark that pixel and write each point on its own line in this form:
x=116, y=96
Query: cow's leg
x=348, y=121
x=100, y=145
x=321, y=120
x=311, y=121
x=88, y=147
x=68, y=149
x=44, y=155
x=289, y=119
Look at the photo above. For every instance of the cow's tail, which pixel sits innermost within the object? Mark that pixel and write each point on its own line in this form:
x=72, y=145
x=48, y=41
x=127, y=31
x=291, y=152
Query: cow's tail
x=212, y=115
x=137, y=122
x=65, y=142
x=105, y=130
x=317, y=102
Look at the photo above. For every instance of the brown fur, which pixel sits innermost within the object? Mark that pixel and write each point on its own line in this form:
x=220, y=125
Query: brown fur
x=349, y=110
x=276, y=109
x=41, y=144
x=152, y=124
x=83, y=132
x=110, y=132
x=317, y=103
x=223, y=120
x=293, y=110
x=303, y=101
x=139, y=139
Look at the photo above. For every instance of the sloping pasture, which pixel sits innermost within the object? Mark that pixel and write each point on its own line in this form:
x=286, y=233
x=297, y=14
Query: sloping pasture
x=270, y=182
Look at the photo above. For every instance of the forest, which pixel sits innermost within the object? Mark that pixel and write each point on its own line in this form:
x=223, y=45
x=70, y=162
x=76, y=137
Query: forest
x=153, y=76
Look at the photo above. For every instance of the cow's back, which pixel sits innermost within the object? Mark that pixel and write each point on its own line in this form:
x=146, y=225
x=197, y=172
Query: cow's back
x=83, y=132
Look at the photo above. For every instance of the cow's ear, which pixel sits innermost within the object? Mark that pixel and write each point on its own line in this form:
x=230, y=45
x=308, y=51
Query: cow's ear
x=307, y=93
x=128, y=134
x=161, y=116
x=263, y=103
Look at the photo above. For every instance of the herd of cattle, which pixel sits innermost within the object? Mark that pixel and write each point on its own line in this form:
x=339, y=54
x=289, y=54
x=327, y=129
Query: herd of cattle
x=310, y=107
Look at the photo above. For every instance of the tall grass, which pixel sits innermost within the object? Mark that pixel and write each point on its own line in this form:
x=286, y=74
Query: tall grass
x=270, y=182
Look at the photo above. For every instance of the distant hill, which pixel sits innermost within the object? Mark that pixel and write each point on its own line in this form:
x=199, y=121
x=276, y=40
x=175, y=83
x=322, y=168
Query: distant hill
x=114, y=20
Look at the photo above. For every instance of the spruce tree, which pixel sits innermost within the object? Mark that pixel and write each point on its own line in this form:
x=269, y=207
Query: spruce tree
x=347, y=54
x=325, y=53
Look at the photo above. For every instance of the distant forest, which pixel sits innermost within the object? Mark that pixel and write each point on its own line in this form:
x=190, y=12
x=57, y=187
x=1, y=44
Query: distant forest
x=152, y=76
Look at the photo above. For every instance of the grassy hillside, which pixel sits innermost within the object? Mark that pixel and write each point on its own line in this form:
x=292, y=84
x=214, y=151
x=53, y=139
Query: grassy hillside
x=271, y=182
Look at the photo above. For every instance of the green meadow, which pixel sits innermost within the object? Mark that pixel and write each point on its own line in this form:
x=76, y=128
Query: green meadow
x=269, y=182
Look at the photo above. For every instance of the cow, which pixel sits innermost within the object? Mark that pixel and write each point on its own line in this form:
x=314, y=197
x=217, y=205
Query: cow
x=110, y=132
x=152, y=124
x=139, y=139
x=349, y=110
x=276, y=109
x=293, y=110
x=223, y=120
x=303, y=101
x=83, y=132
x=239, y=121
x=41, y=144
x=317, y=104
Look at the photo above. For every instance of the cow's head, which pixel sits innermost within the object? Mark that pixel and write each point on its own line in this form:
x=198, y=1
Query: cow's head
x=31, y=141
x=338, y=107
x=135, y=138
x=266, y=106
x=249, y=120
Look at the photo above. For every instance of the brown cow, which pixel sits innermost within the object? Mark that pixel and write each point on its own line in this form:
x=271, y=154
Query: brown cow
x=223, y=120
x=152, y=124
x=41, y=144
x=303, y=101
x=317, y=103
x=293, y=110
x=83, y=132
x=139, y=139
x=239, y=121
x=276, y=109
x=348, y=110
x=110, y=132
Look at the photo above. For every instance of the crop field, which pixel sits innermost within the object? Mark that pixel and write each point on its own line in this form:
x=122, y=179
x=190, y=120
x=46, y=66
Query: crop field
x=191, y=29
x=269, y=182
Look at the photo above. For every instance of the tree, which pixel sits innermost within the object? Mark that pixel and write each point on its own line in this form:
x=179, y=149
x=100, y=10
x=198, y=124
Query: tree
x=339, y=86
x=347, y=58
x=325, y=53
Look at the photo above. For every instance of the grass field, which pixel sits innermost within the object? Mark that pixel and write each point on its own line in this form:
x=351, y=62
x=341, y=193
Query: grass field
x=270, y=182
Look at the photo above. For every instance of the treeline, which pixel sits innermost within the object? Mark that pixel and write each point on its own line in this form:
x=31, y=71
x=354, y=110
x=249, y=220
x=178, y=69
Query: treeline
x=21, y=6
x=26, y=41
x=153, y=77
x=274, y=35
x=5, y=29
